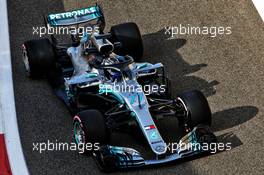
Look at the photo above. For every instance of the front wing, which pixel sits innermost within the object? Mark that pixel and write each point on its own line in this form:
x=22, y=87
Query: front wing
x=114, y=157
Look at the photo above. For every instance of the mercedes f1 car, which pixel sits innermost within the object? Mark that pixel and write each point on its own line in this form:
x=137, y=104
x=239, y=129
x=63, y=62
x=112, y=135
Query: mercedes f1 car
x=99, y=78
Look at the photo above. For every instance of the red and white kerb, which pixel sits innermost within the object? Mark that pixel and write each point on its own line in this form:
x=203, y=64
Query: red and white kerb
x=4, y=162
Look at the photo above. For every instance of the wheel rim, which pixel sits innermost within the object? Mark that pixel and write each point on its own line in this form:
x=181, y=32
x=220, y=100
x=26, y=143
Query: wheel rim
x=79, y=134
x=25, y=59
x=181, y=108
x=183, y=113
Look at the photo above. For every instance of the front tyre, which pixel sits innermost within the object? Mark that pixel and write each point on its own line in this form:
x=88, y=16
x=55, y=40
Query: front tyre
x=89, y=129
x=192, y=109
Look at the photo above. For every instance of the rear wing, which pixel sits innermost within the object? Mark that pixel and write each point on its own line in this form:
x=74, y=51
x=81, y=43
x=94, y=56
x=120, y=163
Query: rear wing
x=75, y=17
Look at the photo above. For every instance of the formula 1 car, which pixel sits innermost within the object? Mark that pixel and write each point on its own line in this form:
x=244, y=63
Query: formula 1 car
x=98, y=79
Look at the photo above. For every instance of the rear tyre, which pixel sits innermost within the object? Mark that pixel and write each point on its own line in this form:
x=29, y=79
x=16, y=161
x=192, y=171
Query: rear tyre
x=89, y=128
x=38, y=57
x=129, y=36
x=193, y=109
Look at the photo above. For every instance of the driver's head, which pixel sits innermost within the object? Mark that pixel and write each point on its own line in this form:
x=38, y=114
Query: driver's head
x=89, y=57
x=93, y=59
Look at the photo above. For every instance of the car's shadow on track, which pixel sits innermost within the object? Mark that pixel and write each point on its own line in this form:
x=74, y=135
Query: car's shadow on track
x=160, y=48
x=232, y=117
x=229, y=118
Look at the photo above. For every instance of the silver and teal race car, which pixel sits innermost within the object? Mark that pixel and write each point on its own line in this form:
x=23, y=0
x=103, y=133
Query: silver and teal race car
x=100, y=78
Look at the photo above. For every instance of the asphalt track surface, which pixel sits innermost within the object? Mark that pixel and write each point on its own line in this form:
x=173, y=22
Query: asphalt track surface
x=228, y=69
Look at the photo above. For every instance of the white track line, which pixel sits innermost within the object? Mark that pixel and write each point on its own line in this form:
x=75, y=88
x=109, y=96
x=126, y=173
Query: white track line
x=259, y=4
x=8, y=118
